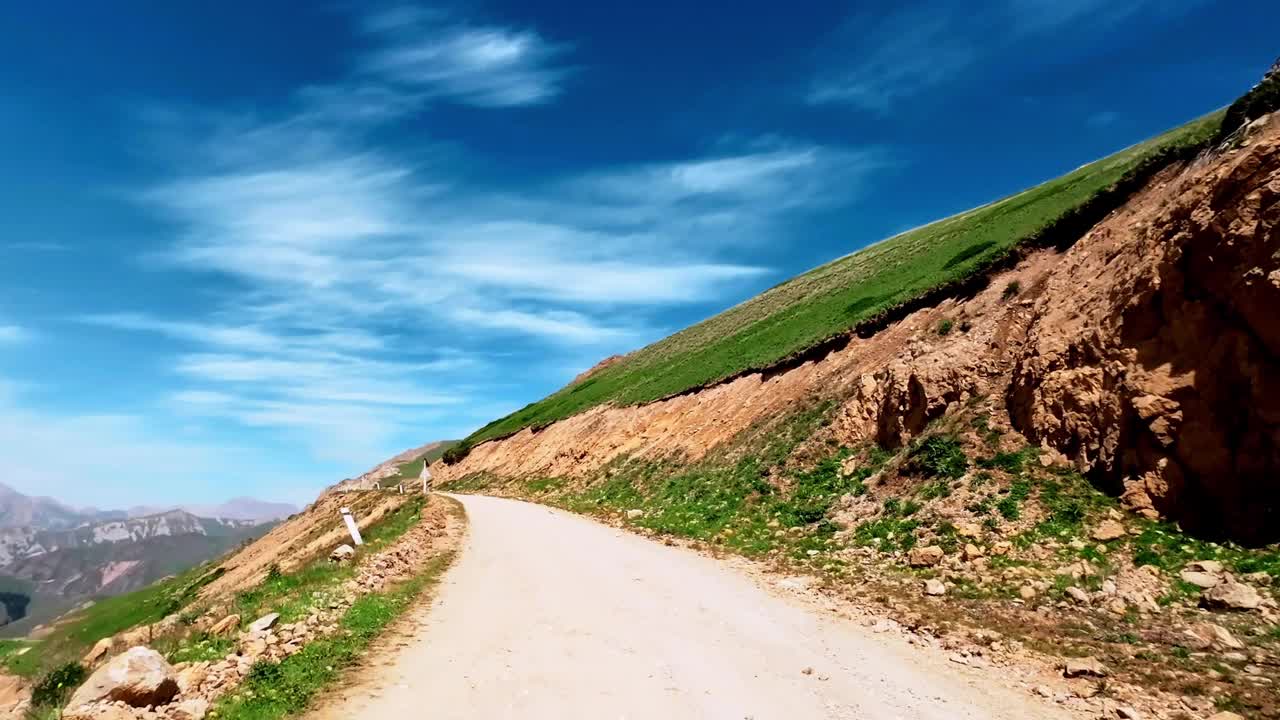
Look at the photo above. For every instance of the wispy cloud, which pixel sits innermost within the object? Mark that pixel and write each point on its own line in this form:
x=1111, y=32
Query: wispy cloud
x=879, y=58
x=371, y=281
x=489, y=66
x=117, y=460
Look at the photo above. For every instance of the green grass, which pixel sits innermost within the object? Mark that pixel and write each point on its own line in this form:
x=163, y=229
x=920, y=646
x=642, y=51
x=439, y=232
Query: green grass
x=937, y=456
x=830, y=300
x=745, y=496
x=275, y=690
x=72, y=637
x=292, y=594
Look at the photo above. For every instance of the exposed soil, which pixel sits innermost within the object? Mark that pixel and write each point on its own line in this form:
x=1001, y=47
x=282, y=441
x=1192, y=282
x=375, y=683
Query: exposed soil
x=298, y=540
x=1145, y=353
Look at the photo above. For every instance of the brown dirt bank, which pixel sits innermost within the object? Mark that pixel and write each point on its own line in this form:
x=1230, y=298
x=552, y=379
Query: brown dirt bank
x=1145, y=353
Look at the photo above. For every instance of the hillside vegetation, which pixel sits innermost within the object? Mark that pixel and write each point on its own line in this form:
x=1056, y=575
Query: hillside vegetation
x=860, y=289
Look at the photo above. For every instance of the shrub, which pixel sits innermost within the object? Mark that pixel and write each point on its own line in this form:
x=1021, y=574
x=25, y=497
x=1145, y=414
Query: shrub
x=1011, y=290
x=945, y=326
x=1011, y=463
x=456, y=454
x=1262, y=99
x=54, y=688
x=938, y=456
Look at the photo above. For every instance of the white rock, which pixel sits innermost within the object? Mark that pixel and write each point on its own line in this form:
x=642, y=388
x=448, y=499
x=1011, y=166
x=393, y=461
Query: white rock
x=264, y=623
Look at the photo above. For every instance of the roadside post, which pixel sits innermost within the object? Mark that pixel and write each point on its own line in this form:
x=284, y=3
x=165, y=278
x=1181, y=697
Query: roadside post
x=351, y=526
x=426, y=478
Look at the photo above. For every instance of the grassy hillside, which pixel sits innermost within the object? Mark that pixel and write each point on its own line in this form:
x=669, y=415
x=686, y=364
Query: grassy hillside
x=853, y=290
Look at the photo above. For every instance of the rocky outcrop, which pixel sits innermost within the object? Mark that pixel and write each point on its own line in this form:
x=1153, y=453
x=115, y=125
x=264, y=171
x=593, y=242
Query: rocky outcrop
x=1154, y=356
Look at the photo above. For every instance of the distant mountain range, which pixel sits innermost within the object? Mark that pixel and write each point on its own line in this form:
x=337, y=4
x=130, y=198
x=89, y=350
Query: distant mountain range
x=53, y=556
x=18, y=510
x=45, y=513
x=241, y=508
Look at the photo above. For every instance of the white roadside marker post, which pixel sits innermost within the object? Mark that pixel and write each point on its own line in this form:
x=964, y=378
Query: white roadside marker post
x=425, y=476
x=351, y=526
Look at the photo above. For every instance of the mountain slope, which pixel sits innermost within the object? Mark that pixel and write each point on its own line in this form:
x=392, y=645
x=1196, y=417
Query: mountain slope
x=853, y=290
x=403, y=467
x=45, y=572
x=965, y=468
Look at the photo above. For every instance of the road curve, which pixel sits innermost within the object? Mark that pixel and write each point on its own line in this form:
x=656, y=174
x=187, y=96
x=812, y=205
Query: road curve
x=550, y=615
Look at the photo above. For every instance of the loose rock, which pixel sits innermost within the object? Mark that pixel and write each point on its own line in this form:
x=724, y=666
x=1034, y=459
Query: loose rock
x=1231, y=596
x=138, y=677
x=264, y=623
x=225, y=626
x=99, y=651
x=1084, y=667
x=927, y=556
x=1108, y=530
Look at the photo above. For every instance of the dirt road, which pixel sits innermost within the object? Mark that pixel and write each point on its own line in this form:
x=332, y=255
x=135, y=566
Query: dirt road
x=548, y=615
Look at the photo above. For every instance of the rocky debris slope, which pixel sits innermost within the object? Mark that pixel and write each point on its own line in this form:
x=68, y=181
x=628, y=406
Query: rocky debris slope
x=140, y=684
x=1144, y=354
x=301, y=538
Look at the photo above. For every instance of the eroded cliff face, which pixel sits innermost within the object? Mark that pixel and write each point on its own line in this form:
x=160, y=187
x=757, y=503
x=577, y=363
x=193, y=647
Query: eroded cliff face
x=1147, y=354
x=1154, y=357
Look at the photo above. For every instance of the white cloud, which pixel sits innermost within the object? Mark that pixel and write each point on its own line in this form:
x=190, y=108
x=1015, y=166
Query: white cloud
x=895, y=56
x=564, y=325
x=487, y=66
x=348, y=263
x=878, y=58
x=118, y=460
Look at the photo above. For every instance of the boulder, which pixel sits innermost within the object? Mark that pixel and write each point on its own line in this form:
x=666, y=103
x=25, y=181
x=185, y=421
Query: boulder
x=138, y=677
x=972, y=552
x=264, y=623
x=1213, y=567
x=933, y=586
x=342, y=553
x=1202, y=580
x=1084, y=667
x=927, y=556
x=1108, y=530
x=1231, y=596
x=100, y=650
x=1207, y=636
x=225, y=626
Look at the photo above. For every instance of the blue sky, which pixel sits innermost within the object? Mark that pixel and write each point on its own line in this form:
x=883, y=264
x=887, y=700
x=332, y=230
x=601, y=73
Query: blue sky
x=254, y=248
